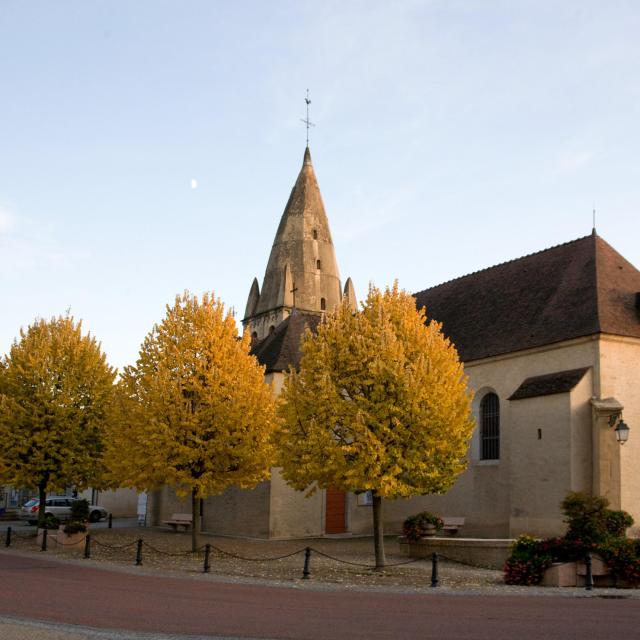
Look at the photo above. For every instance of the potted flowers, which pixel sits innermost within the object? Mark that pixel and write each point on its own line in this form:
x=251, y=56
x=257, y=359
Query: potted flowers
x=420, y=525
x=75, y=530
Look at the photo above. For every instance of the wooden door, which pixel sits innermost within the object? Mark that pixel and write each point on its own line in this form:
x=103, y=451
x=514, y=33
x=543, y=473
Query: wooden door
x=335, y=511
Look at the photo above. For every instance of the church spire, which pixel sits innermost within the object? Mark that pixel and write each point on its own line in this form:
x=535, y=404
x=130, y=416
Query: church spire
x=302, y=270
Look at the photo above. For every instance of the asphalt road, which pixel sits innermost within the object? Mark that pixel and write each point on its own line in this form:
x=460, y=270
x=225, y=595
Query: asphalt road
x=47, y=590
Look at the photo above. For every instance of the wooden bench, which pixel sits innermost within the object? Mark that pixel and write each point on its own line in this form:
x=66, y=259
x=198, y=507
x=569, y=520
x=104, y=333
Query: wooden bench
x=452, y=524
x=179, y=520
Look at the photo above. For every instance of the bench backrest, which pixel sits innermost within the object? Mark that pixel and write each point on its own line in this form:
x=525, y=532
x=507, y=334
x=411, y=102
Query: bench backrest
x=453, y=522
x=181, y=516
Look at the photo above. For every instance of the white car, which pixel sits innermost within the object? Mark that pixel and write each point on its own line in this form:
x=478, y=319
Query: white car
x=60, y=507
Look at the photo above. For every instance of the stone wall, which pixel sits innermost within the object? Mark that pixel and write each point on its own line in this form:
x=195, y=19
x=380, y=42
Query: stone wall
x=484, y=552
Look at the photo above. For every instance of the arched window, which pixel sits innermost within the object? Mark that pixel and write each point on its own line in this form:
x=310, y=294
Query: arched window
x=318, y=264
x=323, y=304
x=271, y=329
x=315, y=234
x=490, y=427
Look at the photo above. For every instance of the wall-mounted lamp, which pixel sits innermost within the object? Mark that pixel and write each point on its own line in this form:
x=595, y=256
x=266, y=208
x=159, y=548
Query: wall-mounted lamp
x=622, y=429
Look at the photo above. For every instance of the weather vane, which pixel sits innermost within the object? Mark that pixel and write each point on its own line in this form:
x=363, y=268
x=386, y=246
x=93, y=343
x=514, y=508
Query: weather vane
x=307, y=121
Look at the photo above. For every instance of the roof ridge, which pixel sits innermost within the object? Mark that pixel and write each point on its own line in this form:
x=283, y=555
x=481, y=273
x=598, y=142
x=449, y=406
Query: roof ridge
x=500, y=264
x=596, y=280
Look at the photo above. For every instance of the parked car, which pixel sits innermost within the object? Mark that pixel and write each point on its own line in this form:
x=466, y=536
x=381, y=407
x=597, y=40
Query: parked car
x=60, y=507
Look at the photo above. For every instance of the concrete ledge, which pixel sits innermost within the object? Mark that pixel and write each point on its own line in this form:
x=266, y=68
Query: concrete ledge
x=561, y=574
x=479, y=552
x=573, y=574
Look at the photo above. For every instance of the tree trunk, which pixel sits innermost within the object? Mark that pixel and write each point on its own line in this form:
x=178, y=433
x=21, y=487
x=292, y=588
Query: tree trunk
x=42, y=496
x=195, y=520
x=378, y=533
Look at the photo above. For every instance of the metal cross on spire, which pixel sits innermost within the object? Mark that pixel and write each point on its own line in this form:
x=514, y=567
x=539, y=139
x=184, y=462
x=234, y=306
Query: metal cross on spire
x=306, y=120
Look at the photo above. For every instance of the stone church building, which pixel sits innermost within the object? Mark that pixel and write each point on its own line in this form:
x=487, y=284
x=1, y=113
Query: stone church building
x=551, y=346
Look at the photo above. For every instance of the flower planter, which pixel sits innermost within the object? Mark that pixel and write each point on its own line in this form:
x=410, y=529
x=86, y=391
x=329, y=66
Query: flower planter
x=573, y=574
x=429, y=530
x=599, y=570
x=70, y=541
x=561, y=574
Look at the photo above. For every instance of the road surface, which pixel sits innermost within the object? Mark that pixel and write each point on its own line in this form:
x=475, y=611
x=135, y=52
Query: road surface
x=52, y=591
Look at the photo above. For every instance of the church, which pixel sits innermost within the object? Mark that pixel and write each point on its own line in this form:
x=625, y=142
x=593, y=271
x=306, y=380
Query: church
x=550, y=344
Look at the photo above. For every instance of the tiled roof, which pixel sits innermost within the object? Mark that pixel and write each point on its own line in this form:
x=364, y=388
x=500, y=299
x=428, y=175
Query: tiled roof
x=546, y=385
x=282, y=348
x=572, y=290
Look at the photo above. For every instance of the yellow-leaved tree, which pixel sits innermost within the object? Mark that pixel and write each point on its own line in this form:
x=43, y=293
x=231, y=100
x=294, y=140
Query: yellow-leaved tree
x=56, y=389
x=379, y=404
x=196, y=414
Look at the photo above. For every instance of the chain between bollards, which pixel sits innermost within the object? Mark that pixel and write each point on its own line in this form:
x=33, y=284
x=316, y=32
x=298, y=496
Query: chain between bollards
x=139, y=553
x=588, y=579
x=207, y=551
x=87, y=546
x=434, y=570
x=306, y=572
x=7, y=542
x=44, y=540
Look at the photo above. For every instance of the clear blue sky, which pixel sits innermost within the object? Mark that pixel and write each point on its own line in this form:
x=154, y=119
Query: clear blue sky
x=451, y=135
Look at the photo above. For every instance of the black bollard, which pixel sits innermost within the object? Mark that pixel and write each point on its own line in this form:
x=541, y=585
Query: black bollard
x=110, y=525
x=588, y=579
x=87, y=546
x=307, y=561
x=44, y=540
x=7, y=542
x=207, y=551
x=139, y=553
x=434, y=570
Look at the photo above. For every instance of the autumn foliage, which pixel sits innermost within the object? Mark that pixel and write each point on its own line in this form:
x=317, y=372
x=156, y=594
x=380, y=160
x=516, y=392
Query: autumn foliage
x=56, y=389
x=196, y=414
x=380, y=403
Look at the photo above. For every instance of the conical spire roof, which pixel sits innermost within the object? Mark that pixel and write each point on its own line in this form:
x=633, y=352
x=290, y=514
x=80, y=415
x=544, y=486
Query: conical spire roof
x=303, y=249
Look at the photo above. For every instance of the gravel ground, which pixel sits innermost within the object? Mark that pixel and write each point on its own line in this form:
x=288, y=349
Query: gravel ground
x=349, y=563
x=336, y=563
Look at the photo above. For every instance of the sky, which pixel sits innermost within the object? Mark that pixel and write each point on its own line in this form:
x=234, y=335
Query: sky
x=150, y=147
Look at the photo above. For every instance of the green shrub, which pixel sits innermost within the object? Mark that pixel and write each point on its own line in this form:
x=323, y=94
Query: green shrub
x=586, y=517
x=51, y=522
x=617, y=523
x=623, y=558
x=590, y=521
x=79, y=511
x=415, y=527
x=75, y=526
